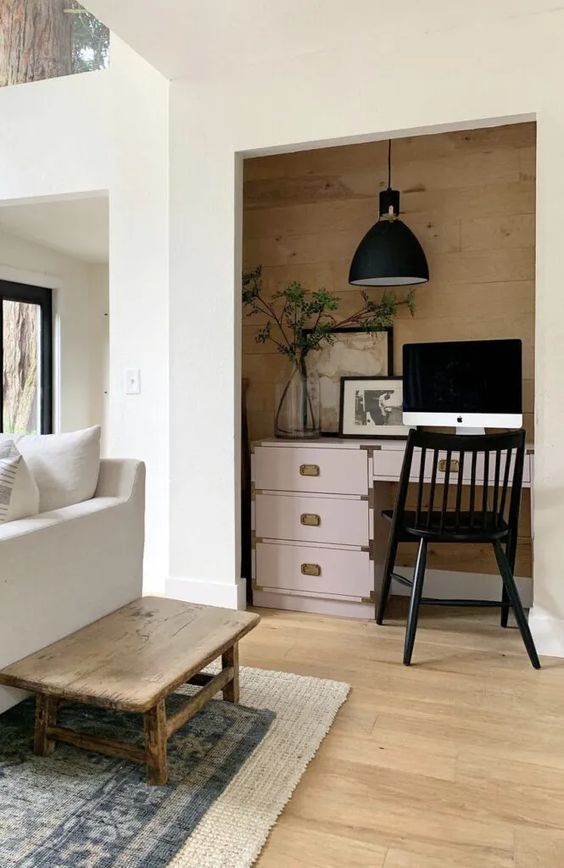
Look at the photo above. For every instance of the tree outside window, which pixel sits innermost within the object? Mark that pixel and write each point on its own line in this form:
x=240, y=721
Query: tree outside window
x=48, y=38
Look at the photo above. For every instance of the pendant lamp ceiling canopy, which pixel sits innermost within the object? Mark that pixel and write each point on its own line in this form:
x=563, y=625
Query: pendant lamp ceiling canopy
x=389, y=254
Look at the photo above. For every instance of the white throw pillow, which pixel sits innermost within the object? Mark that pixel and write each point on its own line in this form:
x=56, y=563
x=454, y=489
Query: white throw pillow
x=64, y=466
x=19, y=494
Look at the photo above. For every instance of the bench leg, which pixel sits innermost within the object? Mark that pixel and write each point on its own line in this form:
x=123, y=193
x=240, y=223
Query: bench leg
x=231, y=658
x=155, y=744
x=45, y=716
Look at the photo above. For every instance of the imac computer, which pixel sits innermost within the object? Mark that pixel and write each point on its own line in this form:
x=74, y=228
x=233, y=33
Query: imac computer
x=467, y=384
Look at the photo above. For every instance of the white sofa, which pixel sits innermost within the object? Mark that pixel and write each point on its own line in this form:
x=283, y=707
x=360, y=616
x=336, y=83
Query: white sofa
x=63, y=569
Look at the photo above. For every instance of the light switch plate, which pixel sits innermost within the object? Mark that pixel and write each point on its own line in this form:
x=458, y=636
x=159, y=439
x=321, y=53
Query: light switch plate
x=132, y=381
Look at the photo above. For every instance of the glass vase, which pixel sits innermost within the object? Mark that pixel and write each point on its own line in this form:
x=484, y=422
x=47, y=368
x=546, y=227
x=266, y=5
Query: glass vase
x=296, y=402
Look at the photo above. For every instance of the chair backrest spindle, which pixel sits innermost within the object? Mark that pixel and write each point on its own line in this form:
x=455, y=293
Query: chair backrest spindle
x=495, y=498
x=508, y=460
x=459, y=488
x=433, y=486
x=485, y=488
x=445, y=490
x=473, y=487
x=421, y=484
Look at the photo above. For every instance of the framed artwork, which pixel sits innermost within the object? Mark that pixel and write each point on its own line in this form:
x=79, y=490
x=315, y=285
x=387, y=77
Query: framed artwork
x=372, y=407
x=353, y=353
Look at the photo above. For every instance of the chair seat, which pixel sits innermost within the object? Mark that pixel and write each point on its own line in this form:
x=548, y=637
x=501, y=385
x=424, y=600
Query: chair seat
x=492, y=528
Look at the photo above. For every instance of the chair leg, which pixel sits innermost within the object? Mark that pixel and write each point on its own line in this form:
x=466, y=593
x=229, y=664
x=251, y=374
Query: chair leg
x=416, y=593
x=387, y=577
x=510, y=554
x=504, y=619
x=514, y=599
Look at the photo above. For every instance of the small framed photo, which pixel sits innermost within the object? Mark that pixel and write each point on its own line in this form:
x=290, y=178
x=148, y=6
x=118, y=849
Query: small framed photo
x=372, y=407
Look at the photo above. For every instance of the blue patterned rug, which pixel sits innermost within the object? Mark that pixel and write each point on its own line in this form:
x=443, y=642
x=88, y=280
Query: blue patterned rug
x=76, y=809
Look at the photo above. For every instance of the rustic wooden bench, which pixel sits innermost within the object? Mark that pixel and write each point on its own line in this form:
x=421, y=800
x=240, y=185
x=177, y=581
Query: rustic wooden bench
x=132, y=660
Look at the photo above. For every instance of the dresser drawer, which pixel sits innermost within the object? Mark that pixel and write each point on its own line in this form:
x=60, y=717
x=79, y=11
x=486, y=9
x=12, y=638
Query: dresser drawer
x=312, y=519
x=314, y=570
x=387, y=464
x=292, y=468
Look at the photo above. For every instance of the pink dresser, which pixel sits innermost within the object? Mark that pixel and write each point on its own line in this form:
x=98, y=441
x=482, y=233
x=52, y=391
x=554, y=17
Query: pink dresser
x=318, y=536
x=312, y=525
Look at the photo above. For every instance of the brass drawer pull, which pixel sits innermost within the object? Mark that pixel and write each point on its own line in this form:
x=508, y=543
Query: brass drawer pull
x=309, y=469
x=454, y=465
x=310, y=519
x=311, y=570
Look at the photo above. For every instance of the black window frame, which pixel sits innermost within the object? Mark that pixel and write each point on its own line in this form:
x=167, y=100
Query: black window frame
x=39, y=295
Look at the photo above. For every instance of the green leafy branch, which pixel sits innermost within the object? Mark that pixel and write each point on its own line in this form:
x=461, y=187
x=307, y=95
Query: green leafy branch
x=300, y=321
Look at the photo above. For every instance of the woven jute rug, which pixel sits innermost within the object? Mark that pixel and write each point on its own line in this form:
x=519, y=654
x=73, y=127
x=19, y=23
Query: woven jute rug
x=231, y=771
x=234, y=830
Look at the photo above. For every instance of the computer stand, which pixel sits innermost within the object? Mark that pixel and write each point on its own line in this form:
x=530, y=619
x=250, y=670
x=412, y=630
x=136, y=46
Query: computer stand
x=470, y=430
x=459, y=430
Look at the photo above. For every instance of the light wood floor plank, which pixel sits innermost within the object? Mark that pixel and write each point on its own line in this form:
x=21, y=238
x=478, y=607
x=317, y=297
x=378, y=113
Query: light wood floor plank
x=434, y=763
x=475, y=766
x=295, y=842
x=539, y=848
x=436, y=856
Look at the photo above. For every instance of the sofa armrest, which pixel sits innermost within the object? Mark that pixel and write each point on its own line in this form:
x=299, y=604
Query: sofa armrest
x=120, y=477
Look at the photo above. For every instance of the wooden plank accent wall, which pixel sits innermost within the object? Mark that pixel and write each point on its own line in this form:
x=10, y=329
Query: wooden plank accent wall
x=470, y=198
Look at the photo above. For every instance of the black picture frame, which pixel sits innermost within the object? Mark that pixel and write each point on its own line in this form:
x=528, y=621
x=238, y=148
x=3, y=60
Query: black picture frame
x=389, y=331
x=372, y=435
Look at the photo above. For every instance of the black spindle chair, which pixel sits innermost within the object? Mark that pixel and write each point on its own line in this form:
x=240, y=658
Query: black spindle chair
x=453, y=505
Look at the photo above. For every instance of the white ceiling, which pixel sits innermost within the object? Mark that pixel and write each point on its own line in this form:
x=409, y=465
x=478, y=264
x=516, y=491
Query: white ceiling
x=194, y=38
x=77, y=226
x=191, y=38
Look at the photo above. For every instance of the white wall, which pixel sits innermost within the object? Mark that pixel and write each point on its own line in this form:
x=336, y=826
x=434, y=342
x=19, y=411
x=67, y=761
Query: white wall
x=109, y=131
x=418, y=67
x=138, y=148
x=80, y=299
x=204, y=365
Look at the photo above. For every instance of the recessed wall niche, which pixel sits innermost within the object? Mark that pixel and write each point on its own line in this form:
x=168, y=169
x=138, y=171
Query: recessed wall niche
x=469, y=196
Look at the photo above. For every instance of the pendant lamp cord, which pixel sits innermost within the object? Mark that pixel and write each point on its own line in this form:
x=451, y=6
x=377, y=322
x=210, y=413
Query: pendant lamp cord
x=389, y=164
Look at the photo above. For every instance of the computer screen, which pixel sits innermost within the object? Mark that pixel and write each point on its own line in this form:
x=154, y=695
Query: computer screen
x=463, y=383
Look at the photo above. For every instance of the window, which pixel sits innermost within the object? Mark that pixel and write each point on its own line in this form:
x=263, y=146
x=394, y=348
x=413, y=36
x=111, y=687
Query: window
x=26, y=349
x=49, y=38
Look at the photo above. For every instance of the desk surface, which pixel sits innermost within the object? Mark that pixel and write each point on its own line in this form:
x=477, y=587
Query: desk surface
x=346, y=443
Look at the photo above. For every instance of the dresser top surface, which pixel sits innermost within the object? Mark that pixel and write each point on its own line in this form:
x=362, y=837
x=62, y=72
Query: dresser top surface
x=340, y=443
x=333, y=443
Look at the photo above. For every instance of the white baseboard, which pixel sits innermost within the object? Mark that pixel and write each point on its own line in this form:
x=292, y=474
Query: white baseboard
x=548, y=632
x=313, y=605
x=228, y=594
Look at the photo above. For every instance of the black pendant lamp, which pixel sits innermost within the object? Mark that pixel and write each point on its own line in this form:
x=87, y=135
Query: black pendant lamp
x=389, y=254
